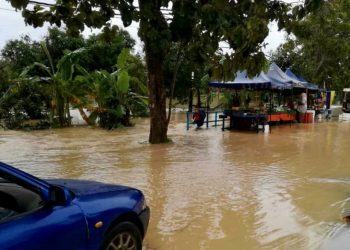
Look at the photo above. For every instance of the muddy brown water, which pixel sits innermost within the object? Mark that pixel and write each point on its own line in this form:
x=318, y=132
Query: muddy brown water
x=210, y=189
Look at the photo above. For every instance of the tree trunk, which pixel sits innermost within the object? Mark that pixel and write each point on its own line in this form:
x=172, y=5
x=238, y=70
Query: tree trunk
x=157, y=105
x=52, y=111
x=69, y=120
x=190, y=100
x=60, y=111
x=84, y=116
x=60, y=105
x=126, y=118
x=198, y=97
x=153, y=26
x=208, y=100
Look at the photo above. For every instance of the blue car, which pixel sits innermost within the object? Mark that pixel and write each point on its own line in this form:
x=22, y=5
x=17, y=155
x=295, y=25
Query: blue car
x=68, y=214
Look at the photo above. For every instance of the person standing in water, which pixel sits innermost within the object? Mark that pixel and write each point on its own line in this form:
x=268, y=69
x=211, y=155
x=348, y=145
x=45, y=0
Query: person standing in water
x=302, y=107
x=199, y=117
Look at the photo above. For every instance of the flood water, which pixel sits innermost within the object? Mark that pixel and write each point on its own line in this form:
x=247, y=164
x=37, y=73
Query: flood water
x=210, y=189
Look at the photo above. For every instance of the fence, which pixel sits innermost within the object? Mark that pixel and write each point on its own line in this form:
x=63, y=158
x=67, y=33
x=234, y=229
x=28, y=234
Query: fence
x=216, y=115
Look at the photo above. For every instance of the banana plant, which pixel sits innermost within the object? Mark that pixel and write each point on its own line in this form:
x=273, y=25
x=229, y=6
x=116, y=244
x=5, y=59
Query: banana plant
x=108, y=95
x=59, y=80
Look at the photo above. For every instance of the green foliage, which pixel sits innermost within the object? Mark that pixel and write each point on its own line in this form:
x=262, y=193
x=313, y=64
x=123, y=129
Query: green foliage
x=184, y=83
x=19, y=100
x=243, y=24
x=123, y=81
x=55, y=80
x=227, y=99
x=23, y=101
x=58, y=78
x=6, y=74
x=112, y=93
x=123, y=78
x=58, y=42
x=123, y=56
x=101, y=49
x=197, y=25
x=321, y=47
x=20, y=53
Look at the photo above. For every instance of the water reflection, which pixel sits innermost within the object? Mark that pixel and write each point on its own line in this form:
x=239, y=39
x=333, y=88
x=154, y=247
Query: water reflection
x=210, y=189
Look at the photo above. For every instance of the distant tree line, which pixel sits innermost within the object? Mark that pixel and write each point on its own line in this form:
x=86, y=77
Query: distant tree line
x=178, y=42
x=43, y=80
x=188, y=29
x=318, y=47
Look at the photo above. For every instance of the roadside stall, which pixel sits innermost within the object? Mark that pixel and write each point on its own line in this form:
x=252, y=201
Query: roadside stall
x=272, y=98
x=295, y=87
x=314, y=96
x=256, y=109
x=304, y=96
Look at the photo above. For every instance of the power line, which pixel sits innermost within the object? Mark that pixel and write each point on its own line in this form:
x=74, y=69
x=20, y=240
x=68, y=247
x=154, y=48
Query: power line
x=42, y=3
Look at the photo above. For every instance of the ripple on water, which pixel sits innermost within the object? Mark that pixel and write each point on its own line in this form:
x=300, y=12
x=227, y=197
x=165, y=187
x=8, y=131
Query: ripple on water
x=210, y=189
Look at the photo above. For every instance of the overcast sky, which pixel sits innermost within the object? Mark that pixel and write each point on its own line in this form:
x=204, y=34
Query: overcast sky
x=12, y=26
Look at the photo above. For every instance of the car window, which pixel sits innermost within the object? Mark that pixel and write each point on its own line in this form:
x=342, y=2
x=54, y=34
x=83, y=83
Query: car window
x=15, y=199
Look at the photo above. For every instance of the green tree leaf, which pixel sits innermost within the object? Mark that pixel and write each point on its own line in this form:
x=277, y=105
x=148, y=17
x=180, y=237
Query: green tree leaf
x=123, y=56
x=123, y=81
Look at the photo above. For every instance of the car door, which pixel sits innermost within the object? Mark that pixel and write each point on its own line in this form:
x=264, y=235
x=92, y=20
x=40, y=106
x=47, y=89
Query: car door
x=49, y=227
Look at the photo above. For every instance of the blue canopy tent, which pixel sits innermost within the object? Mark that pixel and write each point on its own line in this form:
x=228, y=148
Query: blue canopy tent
x=276, y=74
x=243, y=81
x=259, y=82
x=309, y=86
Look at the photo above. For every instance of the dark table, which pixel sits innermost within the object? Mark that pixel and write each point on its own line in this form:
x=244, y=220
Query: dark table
x=246, y=121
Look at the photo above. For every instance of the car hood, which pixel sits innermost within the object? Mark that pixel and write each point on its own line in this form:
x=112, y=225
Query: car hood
x=84, y=187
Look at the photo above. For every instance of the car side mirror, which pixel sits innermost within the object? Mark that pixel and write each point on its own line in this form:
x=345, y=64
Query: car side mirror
x=59, y=196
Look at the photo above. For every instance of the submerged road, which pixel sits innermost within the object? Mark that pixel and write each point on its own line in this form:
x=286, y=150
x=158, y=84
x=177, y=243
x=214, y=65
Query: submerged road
x=210, y=189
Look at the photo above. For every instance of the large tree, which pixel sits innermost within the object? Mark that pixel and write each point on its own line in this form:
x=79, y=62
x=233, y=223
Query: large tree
x=320, y=49
x=198, y=24
x=17, y=54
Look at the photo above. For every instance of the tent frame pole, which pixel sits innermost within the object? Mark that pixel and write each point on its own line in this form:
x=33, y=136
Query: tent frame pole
x=271, y=95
